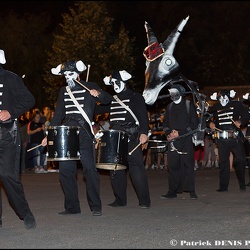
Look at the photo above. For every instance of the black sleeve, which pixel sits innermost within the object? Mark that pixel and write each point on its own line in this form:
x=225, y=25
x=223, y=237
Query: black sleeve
x=60, y=109
x=141, y=113
x=21, y=98
x=104, y=97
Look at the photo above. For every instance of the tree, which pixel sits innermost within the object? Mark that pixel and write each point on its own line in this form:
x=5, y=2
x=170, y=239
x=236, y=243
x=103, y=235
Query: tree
x=24, y=39
x=87, y=34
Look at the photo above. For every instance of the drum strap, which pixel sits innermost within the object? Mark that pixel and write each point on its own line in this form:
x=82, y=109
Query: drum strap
x=127, y=108
x=80, y=109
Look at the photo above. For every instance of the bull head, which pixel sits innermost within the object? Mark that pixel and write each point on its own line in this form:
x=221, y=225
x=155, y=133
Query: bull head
x=162, y=69
x=161, y=66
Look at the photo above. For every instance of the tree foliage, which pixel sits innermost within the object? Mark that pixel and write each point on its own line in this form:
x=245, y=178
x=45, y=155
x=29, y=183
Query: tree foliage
x=87, y=34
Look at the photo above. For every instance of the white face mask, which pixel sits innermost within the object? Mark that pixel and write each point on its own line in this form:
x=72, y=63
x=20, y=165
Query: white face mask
x=224, y=100
x=117, y=85
x=178, y=101
x=70, y=76
x=174, y=94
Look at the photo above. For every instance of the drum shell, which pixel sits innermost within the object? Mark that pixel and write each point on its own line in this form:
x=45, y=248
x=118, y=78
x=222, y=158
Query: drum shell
x=63, y=143
x=112, y=150
x=157, y=143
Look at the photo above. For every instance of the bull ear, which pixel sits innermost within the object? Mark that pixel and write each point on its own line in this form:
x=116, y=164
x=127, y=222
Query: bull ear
x=245, y=97
x=56, y=71
x=106, y=80
x=170, y=42
x=150, y=34
x=232, y=93
x=80, y=66
x=125, y=75
x=214, y=96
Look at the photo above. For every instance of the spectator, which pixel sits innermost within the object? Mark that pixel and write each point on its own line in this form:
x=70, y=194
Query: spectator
x=36, y=132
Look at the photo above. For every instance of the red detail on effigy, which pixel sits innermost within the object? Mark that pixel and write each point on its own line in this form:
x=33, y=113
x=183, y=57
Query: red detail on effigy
x=153, y=51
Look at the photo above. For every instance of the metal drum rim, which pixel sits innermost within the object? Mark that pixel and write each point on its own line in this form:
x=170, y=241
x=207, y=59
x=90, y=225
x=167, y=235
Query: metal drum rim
x=62, y=126
x=109, y=165
x=113, y=130
x=63, y=159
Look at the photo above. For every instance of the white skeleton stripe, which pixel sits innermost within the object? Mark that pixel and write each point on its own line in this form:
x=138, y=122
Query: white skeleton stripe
x=118, y=107
x=127, y=100
x=121, y=112
x=72, y=106
x=225, y=118
x=117, y=119
x=226, y=114
x=222, y=123
x=73, y=112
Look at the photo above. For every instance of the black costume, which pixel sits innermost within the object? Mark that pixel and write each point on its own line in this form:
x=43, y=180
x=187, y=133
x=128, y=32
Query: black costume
x=66, y=113
x=16, y=99
x=230, y=140
x=184, y=119
x=121, y=119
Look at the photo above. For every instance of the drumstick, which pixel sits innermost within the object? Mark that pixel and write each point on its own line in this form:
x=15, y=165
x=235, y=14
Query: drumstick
x=134, y=149
x=232, y=120
x=218, y=129
x=81, y=84
x=87, y=77
x=34, y=147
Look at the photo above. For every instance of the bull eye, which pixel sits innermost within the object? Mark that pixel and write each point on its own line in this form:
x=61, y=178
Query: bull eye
x=168, y=62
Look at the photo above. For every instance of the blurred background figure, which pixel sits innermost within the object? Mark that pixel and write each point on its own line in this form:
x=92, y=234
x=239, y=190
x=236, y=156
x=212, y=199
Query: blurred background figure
x=36, y=133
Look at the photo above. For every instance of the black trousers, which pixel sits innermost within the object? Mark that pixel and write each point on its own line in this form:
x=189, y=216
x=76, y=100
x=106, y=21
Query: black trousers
x=181, y=177
x=137, y=173
x=9, y=173
x=236, y=146
x=68, y=176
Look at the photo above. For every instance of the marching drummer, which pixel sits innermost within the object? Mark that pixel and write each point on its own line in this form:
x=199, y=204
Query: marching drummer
x=75, y=107
x=128, y=113
x=227, y=118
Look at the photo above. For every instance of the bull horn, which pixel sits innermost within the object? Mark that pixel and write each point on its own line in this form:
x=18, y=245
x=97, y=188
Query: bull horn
x=170, y=42
x=150, y=34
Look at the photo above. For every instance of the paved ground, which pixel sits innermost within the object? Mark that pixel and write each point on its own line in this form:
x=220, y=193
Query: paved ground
x=215, y=220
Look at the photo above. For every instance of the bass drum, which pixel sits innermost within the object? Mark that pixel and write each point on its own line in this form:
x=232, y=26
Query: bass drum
x=157, y=143
x=63, y=143
x=112, y=150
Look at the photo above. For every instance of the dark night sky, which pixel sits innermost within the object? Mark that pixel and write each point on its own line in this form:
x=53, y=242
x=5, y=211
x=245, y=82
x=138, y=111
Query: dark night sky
x=36, y=6
x=129, y=13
